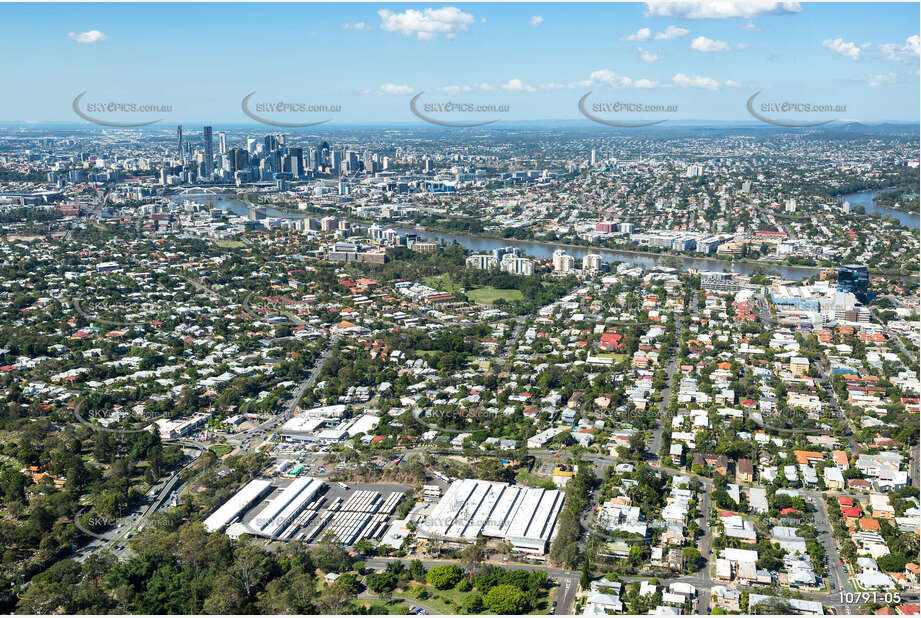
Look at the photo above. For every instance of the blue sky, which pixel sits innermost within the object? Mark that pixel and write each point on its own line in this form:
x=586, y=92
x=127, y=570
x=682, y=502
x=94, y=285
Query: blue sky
x=539, y=59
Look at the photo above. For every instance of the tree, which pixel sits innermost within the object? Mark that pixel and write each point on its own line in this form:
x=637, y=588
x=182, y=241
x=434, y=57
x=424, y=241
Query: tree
x=417, y=570
x=445, y=576
x=250, y=568
x=771, y=605
x=473, y=604
x=382, y=583
x=505, y=599
x=338, y=596
x=472, y=555
x=226, y=597
x=691, y=558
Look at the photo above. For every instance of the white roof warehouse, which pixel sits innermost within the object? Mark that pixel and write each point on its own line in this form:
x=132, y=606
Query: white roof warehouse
x=524, y=516
x=242, y=500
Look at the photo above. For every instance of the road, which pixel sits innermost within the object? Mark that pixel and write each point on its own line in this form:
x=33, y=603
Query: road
x=110, y=539
x=245, y=439
x=765, y=313
x=655, y=444
x=914, y=466
x=827, y=540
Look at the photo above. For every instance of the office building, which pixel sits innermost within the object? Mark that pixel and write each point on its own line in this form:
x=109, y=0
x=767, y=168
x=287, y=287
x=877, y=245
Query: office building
x=208, y=151
x=855, y=279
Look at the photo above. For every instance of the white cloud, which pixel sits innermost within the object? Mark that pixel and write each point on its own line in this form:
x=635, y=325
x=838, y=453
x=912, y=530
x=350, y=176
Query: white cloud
x=742, y=45
x=751, y=27
x=612, y=79
x=426, y=24
x=648, y=56
x=643, y=34
x=881, y=79
x=516, y=85
x=908, y=52
x=840, y=46
x=394, y=89
x=731, y=83
x=606, y=76
x=356, y=26
x=703, y=44
x=535, y=21
x=720, y=9
x=672, y=32
x=456, y=89
x=695, y=81
x=91, y=36
x=485, y=86
x=558, y=86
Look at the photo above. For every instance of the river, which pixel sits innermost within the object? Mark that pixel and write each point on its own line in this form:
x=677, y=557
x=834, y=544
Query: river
x=865, y=199
x=539, y=249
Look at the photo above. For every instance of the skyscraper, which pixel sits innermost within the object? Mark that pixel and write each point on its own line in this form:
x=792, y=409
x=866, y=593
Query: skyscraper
x=297, y=161
x=239, y=159
x=222, y=142
x=179, y=141
x=208, y=148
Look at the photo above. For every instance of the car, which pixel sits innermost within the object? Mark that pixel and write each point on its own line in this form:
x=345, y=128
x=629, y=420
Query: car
x=844, y=569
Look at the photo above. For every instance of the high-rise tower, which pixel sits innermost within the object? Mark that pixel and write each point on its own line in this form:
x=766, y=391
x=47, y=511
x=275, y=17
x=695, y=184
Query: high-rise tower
x=209, y=151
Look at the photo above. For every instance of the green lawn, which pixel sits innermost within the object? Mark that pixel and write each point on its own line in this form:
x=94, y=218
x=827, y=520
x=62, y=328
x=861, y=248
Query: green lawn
x=221, y=449
x=531, y=480
x=394, y=607
x=229, y=244
x=488, y=295
x=442, y=282
x=440, y=604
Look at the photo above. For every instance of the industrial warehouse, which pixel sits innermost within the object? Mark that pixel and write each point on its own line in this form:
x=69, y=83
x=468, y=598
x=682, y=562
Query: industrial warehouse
x=326, y=425
x=525, y=517
x=306, y=509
